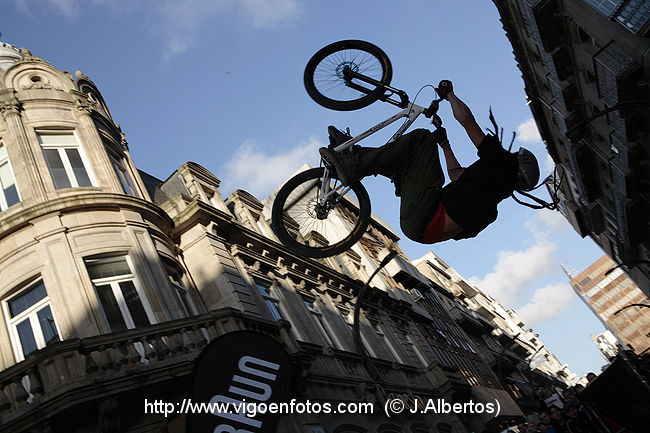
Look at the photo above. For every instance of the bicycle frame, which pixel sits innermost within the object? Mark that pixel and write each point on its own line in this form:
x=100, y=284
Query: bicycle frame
x=412, y=112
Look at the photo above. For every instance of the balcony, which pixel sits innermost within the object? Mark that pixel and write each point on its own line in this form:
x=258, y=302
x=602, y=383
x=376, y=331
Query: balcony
x=639, y=211
x=566, y=95
x=404, y=272
x=471, y=321
x=549, y=23
x=589, y=172
x=612, y=67
x=541, y=22
x=562, y=63
x=597, y=218
x=68, y=375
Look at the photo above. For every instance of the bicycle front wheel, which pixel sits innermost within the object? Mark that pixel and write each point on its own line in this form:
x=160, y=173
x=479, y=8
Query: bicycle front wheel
x=326, y=79
x=319, y=228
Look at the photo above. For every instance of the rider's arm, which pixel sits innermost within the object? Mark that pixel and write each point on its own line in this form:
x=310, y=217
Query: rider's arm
x=465, y=117
x=454, y=168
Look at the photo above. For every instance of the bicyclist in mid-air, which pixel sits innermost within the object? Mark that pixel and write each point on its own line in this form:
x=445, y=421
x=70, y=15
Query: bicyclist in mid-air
x=431, y=212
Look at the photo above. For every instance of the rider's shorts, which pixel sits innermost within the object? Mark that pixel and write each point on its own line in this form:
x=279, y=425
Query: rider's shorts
x=435, y=229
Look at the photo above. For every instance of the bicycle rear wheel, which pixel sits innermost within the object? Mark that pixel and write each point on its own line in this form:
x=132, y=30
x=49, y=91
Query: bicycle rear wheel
x=314, y=230
x=326, y=81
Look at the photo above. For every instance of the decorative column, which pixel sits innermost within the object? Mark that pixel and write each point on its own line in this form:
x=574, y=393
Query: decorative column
x=95, y=150
x=10, y=109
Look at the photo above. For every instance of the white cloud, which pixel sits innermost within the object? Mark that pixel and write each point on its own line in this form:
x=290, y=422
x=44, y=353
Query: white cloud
x=178, y=22
x=546, y=222
x=547, y=303
x=269, y=13
x=550, y=164
x=516, y=271
x=181, y=20
x=68, y=8
x=527, y=132
x=260, y=173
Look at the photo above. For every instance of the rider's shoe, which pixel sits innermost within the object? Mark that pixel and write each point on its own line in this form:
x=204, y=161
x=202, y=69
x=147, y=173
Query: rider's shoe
x=342, y=163
x=444, y=87
x=337, y=136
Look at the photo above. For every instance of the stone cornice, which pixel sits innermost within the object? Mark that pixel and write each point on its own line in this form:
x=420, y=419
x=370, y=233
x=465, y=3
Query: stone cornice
x=201, y=173
x=267, y=255
x=19, y=217
x=201, y=213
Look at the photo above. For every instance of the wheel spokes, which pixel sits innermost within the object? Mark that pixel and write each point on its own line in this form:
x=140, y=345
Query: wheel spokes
x=329, y=78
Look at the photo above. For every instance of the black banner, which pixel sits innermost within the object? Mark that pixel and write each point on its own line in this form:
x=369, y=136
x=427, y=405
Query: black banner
x=238, y=377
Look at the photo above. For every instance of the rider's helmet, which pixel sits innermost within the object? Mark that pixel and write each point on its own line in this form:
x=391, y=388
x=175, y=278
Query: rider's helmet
x=528, y=175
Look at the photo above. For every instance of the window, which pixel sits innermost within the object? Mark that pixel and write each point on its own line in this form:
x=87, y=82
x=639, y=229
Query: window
x=349, y=319
x=184, y=298
x=8, y=191
x=419, y=354
x=119, y=293
x=65, y=159
x=320, y=323
x=388, y=344
x=605, y=6
x=634, y=15
x=271, y=302
x=31, y=322
x=123, y=175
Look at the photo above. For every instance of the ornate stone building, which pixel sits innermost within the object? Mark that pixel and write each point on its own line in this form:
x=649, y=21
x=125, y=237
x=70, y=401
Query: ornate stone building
x=585, y=68
x=112, y=281
x=514, y=352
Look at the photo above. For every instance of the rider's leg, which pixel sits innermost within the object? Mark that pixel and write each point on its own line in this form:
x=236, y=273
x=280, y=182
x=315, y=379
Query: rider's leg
x=415, y=156
x=394, y=157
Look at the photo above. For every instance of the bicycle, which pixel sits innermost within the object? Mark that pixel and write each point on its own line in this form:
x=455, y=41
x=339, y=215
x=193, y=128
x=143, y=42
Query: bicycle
x=313, y=214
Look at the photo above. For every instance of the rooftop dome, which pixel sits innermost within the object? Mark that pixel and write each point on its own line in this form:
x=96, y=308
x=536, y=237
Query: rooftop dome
x=8, y=55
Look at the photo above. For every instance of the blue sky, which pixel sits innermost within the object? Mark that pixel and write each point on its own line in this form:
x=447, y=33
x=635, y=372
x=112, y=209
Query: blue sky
x=219, y=82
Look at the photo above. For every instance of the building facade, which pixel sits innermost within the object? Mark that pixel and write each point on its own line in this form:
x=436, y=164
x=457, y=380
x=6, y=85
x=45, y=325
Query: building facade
x=515, y=353
x=609, y=293
x=585, y=68
x=607, y=343
x=112, y=281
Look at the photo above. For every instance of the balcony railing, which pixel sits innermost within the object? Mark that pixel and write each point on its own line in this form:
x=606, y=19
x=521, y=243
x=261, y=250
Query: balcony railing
x=471, y=321
x=63, y=371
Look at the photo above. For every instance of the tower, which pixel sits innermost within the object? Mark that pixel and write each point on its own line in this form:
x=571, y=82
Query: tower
x=84, y=249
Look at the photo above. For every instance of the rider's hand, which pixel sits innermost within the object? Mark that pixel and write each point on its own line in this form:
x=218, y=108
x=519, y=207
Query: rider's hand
x=440, y=136
x=444, y=87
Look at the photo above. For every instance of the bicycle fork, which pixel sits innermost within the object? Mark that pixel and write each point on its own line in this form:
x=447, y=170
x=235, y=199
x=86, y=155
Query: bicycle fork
x=325, y=193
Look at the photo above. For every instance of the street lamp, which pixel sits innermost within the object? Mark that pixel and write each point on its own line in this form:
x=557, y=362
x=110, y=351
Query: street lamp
x=632, y=262
x=630, y=104
x=632, y=305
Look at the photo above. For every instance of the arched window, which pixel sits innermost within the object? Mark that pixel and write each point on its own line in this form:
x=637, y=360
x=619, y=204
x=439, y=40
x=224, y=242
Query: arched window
x=419, y=428
x=350, y=428
x=389, y=428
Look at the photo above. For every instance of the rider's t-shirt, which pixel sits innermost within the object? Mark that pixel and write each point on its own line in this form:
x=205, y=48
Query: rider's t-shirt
x=472, y=199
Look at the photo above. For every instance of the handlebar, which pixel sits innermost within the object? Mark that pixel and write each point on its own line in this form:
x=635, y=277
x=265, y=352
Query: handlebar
x=431, y=112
